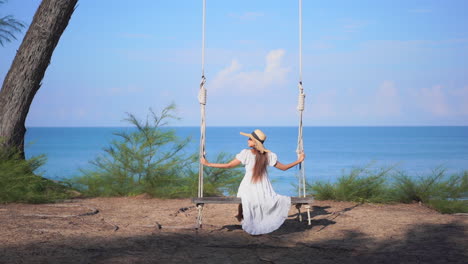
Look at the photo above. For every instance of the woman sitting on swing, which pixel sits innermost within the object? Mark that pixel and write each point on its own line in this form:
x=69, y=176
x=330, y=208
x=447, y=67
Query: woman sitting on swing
x=262, y=210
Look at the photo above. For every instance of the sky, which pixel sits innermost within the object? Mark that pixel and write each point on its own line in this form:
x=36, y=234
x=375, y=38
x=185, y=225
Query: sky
x=365, y=63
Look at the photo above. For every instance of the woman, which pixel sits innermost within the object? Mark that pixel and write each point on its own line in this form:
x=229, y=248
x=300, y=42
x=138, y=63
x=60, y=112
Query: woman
x=262, y=209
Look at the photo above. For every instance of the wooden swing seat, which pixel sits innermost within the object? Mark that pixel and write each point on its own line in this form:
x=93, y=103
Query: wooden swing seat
x=237, y=200
x=201, y=201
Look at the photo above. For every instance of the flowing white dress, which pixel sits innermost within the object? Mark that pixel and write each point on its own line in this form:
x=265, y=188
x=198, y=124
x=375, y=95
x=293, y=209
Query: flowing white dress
x=264, y=210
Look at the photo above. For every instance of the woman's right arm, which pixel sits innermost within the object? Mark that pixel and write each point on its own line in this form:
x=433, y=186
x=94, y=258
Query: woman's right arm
x=233, y=163
x=284, y=167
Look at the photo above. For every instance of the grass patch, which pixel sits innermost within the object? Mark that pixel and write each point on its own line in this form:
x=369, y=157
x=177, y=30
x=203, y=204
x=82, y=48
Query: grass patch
x=19, y=183
x=359, y=185
x=437, y=190
x=444, y=193
x=433, y=186
x=449, y=206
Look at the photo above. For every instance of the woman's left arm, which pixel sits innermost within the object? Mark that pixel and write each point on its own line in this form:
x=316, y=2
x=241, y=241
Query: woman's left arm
x=233, y=163
x=284, y=167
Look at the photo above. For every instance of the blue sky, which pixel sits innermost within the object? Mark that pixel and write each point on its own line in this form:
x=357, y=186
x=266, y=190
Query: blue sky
x=393, y=63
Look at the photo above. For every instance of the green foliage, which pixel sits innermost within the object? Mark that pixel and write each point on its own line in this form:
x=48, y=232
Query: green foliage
x=449, y=206
x=438, y=191
x=360, y=185
x=322, y=190
x=151, y=160
x=434, y=186
x=18, y=183
x=218, y=182
x=143, y=160
x=8, y=26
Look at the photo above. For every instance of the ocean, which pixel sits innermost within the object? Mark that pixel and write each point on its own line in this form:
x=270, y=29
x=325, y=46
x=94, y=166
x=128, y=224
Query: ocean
x=330, y=151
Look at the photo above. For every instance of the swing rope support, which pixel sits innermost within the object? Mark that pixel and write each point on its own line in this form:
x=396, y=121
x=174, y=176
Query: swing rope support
x=300, y=141
x=202, y=100
x=200, y=201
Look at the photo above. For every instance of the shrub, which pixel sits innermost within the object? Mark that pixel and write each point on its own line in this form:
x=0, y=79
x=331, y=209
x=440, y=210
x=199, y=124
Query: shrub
x=360, y=185
x=449, y=206
x=444, y=194
x=151, y=160
x=147, y=159
x=19, y=183
x=322, y=191
x=433, y=186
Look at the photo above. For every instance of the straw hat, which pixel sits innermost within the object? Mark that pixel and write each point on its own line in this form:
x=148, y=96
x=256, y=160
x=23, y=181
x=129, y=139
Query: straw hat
x=259, y=138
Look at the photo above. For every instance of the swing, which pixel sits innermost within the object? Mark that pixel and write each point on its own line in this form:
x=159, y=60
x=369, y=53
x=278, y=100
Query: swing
x=200, y=201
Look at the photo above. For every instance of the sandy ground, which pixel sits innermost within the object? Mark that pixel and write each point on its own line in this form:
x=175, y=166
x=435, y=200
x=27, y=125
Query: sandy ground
x=141, y=230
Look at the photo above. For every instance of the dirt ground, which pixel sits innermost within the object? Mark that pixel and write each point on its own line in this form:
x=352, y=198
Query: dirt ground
x=142, y=230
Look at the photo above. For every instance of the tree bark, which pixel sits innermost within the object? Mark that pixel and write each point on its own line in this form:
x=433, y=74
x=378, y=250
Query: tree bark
x=24, y=78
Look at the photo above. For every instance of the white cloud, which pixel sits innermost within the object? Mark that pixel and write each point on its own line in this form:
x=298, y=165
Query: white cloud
x=351, y=103
x=387, y=100
x=124, y=90
x=136, y=35
x=233, y=79
x=246, y=41
x=420, y=10
x=247, y=16
x=321, y=45
x=323, y=104
x=80, y=113
x=62, y=114
x=434, y=100
x=462, y=100
x=166, y=93
x=354, y=26
x=227, y=73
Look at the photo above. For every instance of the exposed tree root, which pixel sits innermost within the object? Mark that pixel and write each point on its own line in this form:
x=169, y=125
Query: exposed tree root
x=93, y=211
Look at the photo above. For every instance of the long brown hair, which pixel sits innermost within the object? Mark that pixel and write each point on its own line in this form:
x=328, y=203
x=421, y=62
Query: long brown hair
x=260, y=168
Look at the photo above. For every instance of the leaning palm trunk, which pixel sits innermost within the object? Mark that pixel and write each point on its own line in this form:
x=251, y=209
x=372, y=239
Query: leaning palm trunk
x=27, y=71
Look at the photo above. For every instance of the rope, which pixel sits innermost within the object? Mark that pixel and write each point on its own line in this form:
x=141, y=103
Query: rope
x=202, y=92
x=301, y=98
x=203, y=38
x=300, y=41
x=300, y=108
x=300, y=149
x=202, y=101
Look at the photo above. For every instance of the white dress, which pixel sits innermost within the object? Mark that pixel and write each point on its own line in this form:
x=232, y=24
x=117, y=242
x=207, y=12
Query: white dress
x=264, y=210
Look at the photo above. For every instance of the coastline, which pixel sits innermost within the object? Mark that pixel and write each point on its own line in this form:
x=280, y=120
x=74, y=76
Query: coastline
x=330, y=150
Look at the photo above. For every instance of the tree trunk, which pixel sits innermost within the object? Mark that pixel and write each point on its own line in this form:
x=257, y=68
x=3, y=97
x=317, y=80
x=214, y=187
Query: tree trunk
x=28, y=68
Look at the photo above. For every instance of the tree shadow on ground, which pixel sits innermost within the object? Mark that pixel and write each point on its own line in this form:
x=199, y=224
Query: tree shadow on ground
x=294, y=225
x=293, y=243
x=443, y=243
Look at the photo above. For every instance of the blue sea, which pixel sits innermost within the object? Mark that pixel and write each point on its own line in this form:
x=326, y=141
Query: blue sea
x=331, y=151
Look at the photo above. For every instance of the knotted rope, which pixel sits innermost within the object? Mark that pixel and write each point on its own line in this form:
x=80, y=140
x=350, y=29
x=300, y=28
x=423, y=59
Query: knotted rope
x=300, y=142
x=202, y=91
x=301, y=99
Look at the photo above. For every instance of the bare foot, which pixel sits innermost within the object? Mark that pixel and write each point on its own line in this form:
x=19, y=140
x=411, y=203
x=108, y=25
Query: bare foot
x=238, y=217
